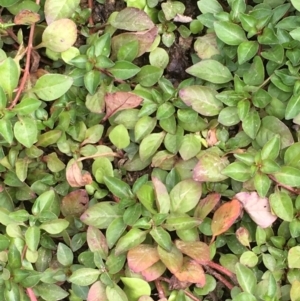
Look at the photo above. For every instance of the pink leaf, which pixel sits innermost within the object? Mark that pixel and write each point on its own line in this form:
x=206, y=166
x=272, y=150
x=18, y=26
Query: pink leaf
x=97, y=292
x=120, y=101
x=154, y=272
x=258, y=208
x=142, y=257
x=191, y=271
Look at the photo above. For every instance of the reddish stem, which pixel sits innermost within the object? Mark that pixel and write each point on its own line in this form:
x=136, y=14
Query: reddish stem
x=220, y=268
x=31, y=294
x=219, y=277
x=161, y=293
x=27, y=66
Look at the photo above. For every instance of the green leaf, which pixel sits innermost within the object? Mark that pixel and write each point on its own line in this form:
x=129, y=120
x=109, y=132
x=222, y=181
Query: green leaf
x=52, y=86
x=251, y=124
x=118, y=187
x=6, y=130
x=132, y=19
x=288, y=176
x=190, y=146
x=124, y=70
x=101, y=215
x=144, y=126
x=230, y=33
x=262, y=184
x=159, y=58
x=92, y=81
x=162, y=237
x=293, y=257
x=209, y=6
x=64, y=255
x=119, y=136
x=238, y=171
x=149, y=75
x=150, y=145
x=255, y=75
x=272, y=126
x=202, y=99
x=209, y=167
x=9, y=73
x=185, y=196
x=32, y=237
x=246, y=278
x=114, y=231
x=131, y=239
x=296, y=4
x=295, y=289
x=102, y=167
x=171, y=9
x=146, y=196
x=25, y=131
x=271, y=149
x=115, y=293
x=211, y=71
x=129, y=51
x=135, y=287
x=51, y=292
x=84, y=276
x=60, y=35
x=55, y=226
x=57, y=9
x=293, y=107
x=49, y=138
x=172, y=259
x=27, y=106
x=292, y=155
x=246, y=51
x=282, y=205
x=229, y=116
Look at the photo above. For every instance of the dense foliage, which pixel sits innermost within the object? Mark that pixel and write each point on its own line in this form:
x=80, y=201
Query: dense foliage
x=149, y=150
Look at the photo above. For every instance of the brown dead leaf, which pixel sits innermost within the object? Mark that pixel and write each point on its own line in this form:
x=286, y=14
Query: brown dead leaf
x=258, y=208
x=225, y=216
x=76, y=177
x=182, y=19
x=211, y=138
x=120, y=101
x=26, y=17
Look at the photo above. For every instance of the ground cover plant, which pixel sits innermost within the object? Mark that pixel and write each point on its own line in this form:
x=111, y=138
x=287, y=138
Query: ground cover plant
x=149, y=150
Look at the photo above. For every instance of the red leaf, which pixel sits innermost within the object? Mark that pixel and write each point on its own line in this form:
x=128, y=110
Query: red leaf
x=120, y=101
x=74, y=203
x=206, y=205
x=197, y=250
x=142, y=257
x=191, y=271
x=258, y=208
x=225, y=216
x=154, y=272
